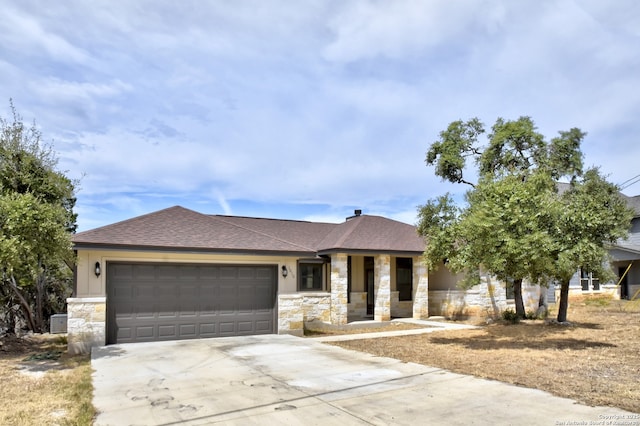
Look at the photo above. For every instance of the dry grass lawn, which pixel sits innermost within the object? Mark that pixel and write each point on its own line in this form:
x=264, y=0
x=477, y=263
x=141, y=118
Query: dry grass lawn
x=595, y=361
x=42, y=385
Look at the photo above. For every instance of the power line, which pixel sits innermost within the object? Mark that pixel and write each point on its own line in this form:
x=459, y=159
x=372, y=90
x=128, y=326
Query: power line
x=627, y=183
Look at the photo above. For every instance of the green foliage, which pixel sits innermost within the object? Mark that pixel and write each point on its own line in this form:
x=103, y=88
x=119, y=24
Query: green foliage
x=510, y=315
x=438, y=218
x=516, y=224
x=36, y=218
x=456, y=143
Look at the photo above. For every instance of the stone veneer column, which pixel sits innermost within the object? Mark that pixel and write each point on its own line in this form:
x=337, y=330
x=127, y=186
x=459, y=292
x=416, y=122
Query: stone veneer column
x=421, y=289
x=339, y=307
x=382, y=288
x=86, y=323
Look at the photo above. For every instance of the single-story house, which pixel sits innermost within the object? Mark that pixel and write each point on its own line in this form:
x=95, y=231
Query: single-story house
x=179, y=274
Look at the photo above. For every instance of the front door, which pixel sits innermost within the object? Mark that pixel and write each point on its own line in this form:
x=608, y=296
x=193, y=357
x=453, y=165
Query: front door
x=624, y=288
x=369, y=275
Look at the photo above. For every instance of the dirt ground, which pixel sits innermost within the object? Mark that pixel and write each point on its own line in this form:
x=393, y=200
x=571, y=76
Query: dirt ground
x=595, y=360
x=42, y=384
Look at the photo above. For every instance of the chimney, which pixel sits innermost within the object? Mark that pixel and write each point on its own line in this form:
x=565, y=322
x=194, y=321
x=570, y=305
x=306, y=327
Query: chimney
x=356, y=213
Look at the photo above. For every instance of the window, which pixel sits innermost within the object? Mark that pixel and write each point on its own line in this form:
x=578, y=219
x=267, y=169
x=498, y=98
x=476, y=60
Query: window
x=404, y=278
x=310, y=276
x=589, y=280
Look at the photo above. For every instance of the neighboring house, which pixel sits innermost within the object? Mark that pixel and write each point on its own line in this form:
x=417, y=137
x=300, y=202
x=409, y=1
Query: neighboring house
x=179, y=274
x=625, y=262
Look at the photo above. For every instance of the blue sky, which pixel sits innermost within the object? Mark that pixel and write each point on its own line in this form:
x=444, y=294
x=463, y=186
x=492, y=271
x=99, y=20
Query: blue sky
x=307, y=110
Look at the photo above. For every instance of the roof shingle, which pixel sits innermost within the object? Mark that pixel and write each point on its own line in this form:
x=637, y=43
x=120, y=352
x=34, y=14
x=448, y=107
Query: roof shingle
x=177, y=228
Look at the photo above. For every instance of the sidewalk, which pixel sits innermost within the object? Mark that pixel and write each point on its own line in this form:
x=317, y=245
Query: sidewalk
x=429, y=327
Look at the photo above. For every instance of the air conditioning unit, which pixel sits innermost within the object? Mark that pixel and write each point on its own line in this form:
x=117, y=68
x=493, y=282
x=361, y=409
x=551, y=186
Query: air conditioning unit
x=58, y=323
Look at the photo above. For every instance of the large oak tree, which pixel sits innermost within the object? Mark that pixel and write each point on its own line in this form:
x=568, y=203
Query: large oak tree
x=515, y=225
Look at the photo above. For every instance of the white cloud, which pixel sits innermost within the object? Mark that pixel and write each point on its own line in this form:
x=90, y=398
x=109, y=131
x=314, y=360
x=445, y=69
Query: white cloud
x=308, y=104
x=405, y=28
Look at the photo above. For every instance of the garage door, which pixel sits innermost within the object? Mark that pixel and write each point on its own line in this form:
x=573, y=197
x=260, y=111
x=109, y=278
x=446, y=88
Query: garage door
x=149, y=302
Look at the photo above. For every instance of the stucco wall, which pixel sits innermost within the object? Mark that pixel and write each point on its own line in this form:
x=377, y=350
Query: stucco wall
x=88, y=285
x=443, y=279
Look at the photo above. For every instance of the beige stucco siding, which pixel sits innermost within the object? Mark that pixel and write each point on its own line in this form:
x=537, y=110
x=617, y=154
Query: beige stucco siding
x=357, y=274
x=88, y=285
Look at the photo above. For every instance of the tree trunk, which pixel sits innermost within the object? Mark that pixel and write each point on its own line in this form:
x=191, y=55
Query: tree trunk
x=564, y=301
x=40, y=295
x=517, y=296
x=23, y=303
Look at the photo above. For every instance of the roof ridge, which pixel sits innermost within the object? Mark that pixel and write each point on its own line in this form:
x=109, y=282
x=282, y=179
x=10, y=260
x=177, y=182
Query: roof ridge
x=269, y=218
x=136, y=218
x=220, y=217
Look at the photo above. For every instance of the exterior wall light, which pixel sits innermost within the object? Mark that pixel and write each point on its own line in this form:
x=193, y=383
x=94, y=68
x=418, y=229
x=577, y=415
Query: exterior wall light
x=97, y=270
x=284, y=271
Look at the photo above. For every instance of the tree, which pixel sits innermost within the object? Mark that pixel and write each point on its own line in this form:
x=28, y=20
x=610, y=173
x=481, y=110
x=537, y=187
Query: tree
x=592, y=215
x=36, y=218
x=515, y=152
x=514, y=220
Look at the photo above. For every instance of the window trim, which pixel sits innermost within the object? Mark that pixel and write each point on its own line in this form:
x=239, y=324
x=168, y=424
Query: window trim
x=587, y=279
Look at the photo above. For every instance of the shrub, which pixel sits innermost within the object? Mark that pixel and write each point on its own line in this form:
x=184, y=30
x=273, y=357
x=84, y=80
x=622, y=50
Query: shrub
x=510, y=316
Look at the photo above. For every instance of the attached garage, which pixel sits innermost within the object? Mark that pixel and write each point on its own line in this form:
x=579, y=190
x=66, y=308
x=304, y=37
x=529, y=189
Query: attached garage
x=160, y=301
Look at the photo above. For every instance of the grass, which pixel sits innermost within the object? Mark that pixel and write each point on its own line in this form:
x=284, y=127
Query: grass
x=42, y=385
x=595, y=361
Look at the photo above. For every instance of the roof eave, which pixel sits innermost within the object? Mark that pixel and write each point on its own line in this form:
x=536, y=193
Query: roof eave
x=370, y=251
x=199, y=250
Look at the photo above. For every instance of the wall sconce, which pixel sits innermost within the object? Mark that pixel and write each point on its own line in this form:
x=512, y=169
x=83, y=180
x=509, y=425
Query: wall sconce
x=97, y=269
x=284, y=271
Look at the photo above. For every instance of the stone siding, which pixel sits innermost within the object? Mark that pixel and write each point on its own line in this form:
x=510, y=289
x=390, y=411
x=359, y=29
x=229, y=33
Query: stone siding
x=294, y=310
x=86, y=324
x=484, y=300
x=421, y=290
x=358, y=305
x=339, y=287
x=400, y=309
x=316, y=307
x=290, y=314
x=382, y=288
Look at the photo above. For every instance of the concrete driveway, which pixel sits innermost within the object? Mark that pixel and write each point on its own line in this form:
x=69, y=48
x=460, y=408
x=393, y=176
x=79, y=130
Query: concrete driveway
x=276, y=380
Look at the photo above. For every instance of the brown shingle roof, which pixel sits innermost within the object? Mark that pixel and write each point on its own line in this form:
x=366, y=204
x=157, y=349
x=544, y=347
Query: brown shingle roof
x=372, y=233
x=177, y=228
